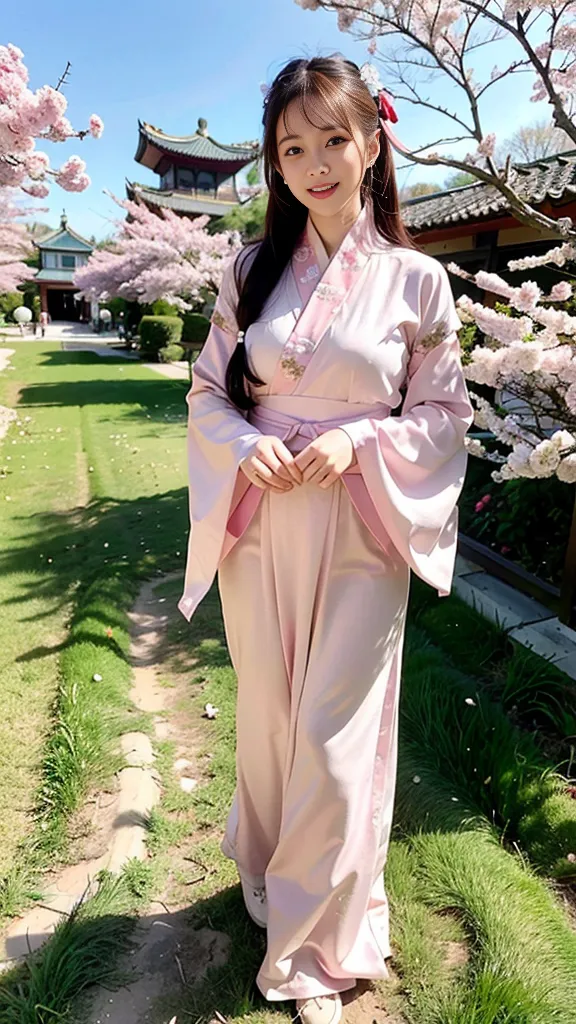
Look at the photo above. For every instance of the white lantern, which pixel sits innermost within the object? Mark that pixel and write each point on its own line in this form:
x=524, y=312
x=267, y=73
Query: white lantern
x=105, y=315
x=22, y=315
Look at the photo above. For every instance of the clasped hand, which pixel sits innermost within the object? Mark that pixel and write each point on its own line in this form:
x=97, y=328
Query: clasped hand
x=271, y=466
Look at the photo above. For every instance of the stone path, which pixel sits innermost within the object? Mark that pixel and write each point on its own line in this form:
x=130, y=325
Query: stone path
x=123, y=816
x=529, y=622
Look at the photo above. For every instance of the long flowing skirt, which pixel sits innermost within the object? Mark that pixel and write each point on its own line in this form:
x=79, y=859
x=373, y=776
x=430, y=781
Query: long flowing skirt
x=314, y=611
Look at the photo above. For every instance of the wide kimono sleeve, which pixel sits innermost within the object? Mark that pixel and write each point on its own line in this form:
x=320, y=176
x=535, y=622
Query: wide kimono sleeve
x=219, y=437
x=413, y=464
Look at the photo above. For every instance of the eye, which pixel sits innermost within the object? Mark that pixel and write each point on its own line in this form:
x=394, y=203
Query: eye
x=334, y=138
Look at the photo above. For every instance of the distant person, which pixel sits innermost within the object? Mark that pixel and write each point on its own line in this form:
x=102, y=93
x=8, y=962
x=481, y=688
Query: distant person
x=44, y=319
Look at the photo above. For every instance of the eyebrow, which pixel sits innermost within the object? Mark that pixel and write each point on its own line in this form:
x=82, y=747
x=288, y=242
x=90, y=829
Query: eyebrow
x=328, y=128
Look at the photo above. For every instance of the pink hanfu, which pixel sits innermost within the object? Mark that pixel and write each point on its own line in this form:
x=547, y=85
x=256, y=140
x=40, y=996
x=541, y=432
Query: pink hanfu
x=314, y=582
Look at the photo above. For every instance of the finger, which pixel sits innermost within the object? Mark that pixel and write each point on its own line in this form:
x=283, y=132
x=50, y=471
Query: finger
x=256, y=481
x=304, y=458
x=275, y=461
x=329, y=480
x=289, y=470
x=270, y=478
x=316, y=469
x=316, y=473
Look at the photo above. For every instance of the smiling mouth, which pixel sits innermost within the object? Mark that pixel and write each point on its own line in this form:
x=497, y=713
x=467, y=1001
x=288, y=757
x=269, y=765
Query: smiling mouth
x=323, y=189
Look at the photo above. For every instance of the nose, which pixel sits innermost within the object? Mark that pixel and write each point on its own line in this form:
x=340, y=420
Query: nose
x=319, y=169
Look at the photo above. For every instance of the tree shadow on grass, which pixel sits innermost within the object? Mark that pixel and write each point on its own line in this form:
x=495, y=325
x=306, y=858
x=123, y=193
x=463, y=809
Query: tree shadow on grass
x=196, y=961
x=152, y=391
x=108, y=546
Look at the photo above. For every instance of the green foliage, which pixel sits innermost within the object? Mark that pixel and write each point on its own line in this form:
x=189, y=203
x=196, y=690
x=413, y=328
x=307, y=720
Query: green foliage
x=253, y=175
x=116, y=306
x=157, y=332
x=171, y=354
x=248, y=218
x=9, y=302
x=526, y=520
x=458, y=179
x=162, y=308
x=195, y=328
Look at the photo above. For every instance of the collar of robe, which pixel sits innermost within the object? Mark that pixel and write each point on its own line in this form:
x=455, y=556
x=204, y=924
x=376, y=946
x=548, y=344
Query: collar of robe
x=323, y=284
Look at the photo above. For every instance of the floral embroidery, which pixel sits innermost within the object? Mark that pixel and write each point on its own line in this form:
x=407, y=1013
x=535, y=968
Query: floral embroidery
x=292, y=368
x=435, y=337
x=312, y=273
x=299, y=346
x=349, y=259
x=302, y=253
x=328, y=291
x=219, y=321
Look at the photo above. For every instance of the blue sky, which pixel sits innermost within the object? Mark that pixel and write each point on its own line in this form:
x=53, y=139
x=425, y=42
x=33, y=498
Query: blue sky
x=170, y=66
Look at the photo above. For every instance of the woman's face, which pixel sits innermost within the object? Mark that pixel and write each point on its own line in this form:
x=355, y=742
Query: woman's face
x=310, y=159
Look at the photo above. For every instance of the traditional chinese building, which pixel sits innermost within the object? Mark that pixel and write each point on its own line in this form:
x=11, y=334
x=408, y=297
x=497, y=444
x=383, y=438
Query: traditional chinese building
x=474, y=226
x=61, y=253
x=197, y=174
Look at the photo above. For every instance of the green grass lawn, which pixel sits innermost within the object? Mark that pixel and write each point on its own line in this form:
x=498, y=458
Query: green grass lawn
x=92, y=499
x=483, y=823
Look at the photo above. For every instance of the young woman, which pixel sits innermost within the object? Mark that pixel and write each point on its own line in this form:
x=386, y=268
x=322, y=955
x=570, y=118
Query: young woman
x=314, y=503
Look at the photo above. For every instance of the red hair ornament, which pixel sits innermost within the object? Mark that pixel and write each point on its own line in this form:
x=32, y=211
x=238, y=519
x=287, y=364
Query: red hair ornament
x=389, y=116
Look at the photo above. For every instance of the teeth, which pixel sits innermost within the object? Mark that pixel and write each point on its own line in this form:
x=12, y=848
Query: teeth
x=324, y=189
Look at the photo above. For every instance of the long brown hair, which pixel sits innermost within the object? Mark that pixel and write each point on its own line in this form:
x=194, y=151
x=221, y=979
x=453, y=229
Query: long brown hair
x=326, y=82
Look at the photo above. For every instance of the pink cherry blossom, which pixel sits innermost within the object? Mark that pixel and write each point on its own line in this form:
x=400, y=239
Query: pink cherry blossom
x=562, y=290
x=96, y=126
x=38, y=190
x=158, y=255
x=26, y=116
x=15, y=246
x=532, y=361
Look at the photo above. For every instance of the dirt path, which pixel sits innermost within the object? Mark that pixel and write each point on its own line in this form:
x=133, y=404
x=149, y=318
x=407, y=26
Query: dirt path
x=167, y=954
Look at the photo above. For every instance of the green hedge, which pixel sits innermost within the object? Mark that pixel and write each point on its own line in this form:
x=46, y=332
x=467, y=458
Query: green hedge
x=195, y=328
x=157, y=332
x=171, y=354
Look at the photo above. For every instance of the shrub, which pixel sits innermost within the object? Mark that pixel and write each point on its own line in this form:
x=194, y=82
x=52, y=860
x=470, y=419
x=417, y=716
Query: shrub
x=160, y=307
x=195, y=328
x=157, y=332
x=171, y=353
x=9, y=302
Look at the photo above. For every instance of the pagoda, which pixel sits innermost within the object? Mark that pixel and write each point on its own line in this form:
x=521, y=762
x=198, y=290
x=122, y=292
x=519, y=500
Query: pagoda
x=61, y=253
x=197, y=174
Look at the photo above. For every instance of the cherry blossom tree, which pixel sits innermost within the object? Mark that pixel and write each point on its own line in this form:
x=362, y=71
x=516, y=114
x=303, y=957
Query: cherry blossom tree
x=158, y=256
x=529, y=357
x=25, y=117
x=15, y=246
x=422, y=41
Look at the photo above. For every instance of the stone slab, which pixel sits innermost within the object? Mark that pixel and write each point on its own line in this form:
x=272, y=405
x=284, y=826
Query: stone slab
x=464, y=565
x=514, y=607
x=548, y=639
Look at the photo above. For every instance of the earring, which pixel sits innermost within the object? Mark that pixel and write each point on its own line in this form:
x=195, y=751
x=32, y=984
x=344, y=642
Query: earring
x=285, y=182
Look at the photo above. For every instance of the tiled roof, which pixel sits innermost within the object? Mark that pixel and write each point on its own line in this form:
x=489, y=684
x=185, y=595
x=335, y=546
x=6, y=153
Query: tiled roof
x=180, y=202
x=64, y=238
x=57, y=275
x=202, y=147
x=553, y=177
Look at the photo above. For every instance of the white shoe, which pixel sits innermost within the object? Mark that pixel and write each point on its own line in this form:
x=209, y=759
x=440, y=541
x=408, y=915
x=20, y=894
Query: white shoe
x=256, y=902
x=321, y=1010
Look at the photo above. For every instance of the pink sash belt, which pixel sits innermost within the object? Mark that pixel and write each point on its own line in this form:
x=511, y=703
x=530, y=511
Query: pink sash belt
x=269, y=417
